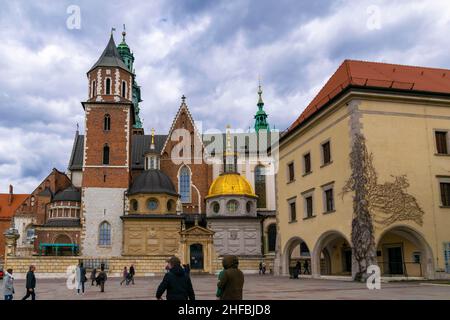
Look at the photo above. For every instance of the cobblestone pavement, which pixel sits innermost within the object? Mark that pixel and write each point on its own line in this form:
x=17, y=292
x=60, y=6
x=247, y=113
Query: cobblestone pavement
x=256, y=287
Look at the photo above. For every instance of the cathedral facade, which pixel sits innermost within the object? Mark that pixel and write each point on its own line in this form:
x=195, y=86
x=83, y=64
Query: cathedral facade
x=131, y=194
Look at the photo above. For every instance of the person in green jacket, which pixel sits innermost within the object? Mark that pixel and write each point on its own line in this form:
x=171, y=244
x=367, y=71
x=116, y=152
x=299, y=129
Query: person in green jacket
x=231, y=279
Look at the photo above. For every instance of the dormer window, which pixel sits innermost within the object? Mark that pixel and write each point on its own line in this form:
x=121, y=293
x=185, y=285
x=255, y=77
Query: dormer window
x=152, y=162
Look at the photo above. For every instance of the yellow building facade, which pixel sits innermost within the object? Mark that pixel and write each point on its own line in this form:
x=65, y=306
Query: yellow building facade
x=391, y=138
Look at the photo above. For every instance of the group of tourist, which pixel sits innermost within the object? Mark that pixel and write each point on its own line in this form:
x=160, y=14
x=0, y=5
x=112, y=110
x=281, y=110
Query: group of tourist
x=176, y=282
x=30, y=284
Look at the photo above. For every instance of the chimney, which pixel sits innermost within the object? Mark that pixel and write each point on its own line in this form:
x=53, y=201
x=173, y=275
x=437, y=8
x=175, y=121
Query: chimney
x=11, y=194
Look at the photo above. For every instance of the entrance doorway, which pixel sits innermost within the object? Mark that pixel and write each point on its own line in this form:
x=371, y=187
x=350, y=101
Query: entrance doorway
x=347, y=260
x=196, y=254
x=395, y=260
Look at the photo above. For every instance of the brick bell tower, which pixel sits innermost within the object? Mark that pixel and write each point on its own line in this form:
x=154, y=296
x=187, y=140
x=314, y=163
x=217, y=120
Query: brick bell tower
x=109, y=119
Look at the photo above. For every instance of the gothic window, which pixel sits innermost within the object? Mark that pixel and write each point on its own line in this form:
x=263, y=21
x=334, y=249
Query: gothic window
x=248, y=206
x=260, y=186
x=107, y=122
x=104, y=238
x=124, y=89
x=272, y=237
x=108, y=86
x=185, y=184
x=105, y=154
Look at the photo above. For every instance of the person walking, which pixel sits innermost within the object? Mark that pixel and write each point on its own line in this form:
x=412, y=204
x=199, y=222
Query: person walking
x=232, y=281
x=30, y=284
x=124, y=276
x=263, y=269
x=102, y=277
x=260, y=267
x=8, y=284
x=177, y=284
x=132, y=273
x=306, y=267
x=297, y=269
x=81, y=278
x=93, y=276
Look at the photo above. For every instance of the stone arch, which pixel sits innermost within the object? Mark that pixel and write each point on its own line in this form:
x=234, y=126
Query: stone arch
x=414, y=237
x=62, y=238
x=287, y=252
x=324, y=251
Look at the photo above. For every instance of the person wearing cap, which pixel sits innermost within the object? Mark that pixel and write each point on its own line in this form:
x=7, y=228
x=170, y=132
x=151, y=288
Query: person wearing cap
x=176, y=283
x=231, y=282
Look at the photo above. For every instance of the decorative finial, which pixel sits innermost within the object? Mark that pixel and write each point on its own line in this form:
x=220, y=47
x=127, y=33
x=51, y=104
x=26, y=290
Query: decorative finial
x=152, y=145
x=78, y=127
x=112, y=30
x=124, y=33
x=183, y=99
x=260, y=100
x=228, y=139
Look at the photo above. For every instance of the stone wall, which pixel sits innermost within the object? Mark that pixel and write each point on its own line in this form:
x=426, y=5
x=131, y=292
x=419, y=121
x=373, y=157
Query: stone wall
x=56, y=267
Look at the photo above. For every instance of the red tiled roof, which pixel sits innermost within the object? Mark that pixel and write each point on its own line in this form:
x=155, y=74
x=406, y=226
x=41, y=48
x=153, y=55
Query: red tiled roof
x=7, y=210
x=377, y=75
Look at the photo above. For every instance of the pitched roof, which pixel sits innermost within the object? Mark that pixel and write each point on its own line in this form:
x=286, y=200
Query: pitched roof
x=7, y=210
x=353, y=73
x=140, y=145
x=76, y=158
x=110, y=57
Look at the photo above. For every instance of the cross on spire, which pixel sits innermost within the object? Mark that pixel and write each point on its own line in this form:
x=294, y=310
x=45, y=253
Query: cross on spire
x=183, y=99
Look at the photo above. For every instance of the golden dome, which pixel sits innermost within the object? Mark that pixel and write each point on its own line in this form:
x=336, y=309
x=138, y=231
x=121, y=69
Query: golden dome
x=230, y=184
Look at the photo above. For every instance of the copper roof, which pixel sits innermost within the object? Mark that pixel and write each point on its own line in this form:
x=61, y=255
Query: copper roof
x=377, y=75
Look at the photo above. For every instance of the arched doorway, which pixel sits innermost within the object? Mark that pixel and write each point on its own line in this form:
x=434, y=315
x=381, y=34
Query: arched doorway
x=332, y=255
x=296, y=250
x=62, y=251
x=196, y=256
x=403, y=251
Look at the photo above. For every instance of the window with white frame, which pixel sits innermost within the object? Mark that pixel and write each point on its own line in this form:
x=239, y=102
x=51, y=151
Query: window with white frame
x=444, y=186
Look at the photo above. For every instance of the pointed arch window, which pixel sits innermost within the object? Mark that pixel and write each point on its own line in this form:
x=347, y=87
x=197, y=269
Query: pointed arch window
x=106, y=154
x=260, y=186
x=107, y=122
x=272, y=237
x=185, y=184
x=104, y=236
x=124, y=89
x=108, y=86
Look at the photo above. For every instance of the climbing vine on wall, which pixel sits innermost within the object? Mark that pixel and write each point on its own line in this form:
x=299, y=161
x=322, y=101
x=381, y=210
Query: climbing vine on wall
x=388, y=202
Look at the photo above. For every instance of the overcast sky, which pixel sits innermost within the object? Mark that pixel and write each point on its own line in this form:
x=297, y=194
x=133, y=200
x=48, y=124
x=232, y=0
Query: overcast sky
x=211, y=51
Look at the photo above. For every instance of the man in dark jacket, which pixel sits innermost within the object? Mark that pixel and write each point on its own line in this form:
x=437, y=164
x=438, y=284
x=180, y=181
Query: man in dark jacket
x=132, y=273
x=231, y=282
x=176, y=282
x=30, y=284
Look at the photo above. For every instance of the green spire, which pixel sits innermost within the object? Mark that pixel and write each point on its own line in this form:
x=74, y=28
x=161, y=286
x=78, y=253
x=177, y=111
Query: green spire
x=261, y=115
x=128, y=59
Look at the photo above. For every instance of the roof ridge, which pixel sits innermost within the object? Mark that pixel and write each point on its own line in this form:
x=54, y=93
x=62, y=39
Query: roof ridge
x=395, y=64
